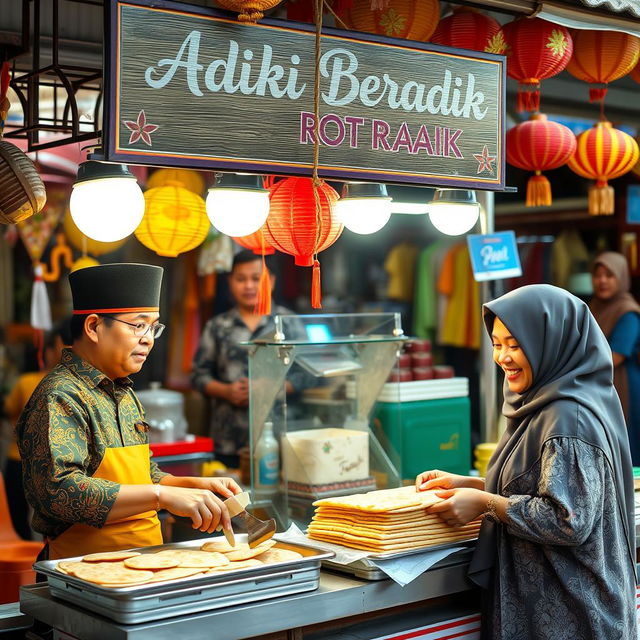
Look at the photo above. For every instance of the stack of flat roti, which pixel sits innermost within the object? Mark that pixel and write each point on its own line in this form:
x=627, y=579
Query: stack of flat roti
x=132, y=568
x=385, y=521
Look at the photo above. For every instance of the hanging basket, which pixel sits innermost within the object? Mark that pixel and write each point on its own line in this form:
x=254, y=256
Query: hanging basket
x=22, y=192
x=249, y=10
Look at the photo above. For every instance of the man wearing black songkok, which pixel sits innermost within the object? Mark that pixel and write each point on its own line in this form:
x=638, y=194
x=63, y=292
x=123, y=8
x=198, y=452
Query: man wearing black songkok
x=82, y=436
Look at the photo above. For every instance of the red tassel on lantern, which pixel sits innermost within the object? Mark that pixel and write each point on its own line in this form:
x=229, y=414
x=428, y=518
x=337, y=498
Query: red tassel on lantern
x=539, y=145
x=316, y=286
x=536, y=50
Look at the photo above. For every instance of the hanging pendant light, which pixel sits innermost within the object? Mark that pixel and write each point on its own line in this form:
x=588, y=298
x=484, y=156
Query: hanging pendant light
x=454, y=211
x=238, y=204
x=106, y=202
x=364, y=208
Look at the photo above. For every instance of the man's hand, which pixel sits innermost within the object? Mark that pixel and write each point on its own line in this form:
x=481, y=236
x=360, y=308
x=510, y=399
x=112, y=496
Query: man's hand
x=225, y=487
x=238, y=392
x=205, y=509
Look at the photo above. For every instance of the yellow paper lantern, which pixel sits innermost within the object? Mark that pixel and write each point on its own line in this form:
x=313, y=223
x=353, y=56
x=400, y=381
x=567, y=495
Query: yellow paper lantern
x=175, y=220
x=83, y=262
x=87, y=245
x=186, y=178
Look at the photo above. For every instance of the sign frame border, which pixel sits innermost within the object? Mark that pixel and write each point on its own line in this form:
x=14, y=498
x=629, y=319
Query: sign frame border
x=110, y=126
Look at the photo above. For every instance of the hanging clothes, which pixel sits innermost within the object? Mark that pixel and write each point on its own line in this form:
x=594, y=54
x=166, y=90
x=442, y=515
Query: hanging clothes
x=400, y=266
x=461, y=326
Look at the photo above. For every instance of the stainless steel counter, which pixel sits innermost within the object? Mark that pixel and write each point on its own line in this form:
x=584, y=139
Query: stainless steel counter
x=337, y=597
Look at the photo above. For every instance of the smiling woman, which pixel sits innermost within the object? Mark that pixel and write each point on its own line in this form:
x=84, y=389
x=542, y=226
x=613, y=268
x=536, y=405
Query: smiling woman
x=558, y=496
x=508, y=355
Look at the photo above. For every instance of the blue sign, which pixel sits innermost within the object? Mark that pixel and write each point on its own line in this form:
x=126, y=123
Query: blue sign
x=494, y=256
x=633, y=204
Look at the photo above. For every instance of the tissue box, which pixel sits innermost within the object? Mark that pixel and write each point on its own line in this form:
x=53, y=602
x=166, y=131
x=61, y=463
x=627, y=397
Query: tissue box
x=323, y=456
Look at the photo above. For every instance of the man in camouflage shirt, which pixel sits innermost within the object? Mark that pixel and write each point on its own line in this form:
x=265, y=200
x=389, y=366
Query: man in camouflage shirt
x=221, y=367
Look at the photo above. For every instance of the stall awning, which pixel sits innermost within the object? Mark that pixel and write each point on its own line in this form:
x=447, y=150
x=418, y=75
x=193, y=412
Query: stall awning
x=617, y=6
x=602, y=15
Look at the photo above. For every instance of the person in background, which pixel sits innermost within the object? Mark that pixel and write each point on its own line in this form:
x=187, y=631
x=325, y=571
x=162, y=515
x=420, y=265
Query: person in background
x=220, y=365
x=14, y=403
x=618, y=315
x=82, y=437
x=556, y=550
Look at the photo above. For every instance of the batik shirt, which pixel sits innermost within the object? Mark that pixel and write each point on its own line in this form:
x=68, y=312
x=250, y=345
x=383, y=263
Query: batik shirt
x=563, y=570
x=221, y=357
x=73, y=416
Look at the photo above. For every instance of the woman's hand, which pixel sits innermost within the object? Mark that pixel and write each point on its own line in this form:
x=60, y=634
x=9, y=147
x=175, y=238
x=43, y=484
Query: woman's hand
x=436, y=479
x=460, y=506
x=205, y=509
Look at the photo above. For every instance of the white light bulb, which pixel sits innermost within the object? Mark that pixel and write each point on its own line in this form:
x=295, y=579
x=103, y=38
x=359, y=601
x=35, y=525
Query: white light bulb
x=453, y=219
x=363, y=215
x=107, y=210
x=237, y=212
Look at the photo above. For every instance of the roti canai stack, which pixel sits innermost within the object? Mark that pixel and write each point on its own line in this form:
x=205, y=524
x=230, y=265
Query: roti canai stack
x=385, y=521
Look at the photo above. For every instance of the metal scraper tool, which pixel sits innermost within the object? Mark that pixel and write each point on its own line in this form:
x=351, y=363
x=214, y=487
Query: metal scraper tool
x=257, y=530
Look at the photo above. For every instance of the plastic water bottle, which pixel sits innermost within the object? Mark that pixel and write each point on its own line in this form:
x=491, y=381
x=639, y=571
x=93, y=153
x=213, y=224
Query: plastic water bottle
x=267, y=462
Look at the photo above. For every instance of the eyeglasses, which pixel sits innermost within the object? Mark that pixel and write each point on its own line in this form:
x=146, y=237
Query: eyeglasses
x=141, y=328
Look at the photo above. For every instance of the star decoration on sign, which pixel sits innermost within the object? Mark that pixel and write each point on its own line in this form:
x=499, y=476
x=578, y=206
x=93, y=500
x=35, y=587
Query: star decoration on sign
x=485, y=161
x=140, y=129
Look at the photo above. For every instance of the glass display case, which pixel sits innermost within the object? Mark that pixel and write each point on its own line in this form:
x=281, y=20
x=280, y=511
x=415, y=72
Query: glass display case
x=314, y=381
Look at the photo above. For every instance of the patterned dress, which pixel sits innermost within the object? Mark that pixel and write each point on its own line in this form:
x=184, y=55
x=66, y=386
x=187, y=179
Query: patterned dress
x=73, y=416
x=563, y=569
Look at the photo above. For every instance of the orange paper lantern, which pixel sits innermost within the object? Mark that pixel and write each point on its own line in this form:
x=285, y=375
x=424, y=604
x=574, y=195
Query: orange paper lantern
x=600, y=57
x=539, y=145
x=468, y=28
x=536, y=50
x=603, y=153
x=294, y=226
x=175, y=220
x=256, y=242
x=410, y=19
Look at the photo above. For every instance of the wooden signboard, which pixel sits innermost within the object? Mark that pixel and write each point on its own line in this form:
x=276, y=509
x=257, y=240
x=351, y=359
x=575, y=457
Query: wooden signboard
x=192, y=87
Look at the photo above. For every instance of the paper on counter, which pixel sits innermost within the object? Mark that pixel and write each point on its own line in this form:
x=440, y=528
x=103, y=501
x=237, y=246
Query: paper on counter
x=405, y=570
x=401, y=570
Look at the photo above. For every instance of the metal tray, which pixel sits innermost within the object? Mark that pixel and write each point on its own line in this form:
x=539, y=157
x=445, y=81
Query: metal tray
x=147, y=602
x=366, y=570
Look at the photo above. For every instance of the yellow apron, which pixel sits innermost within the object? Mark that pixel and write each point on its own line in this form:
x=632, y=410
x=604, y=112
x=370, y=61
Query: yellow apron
x=124, y=465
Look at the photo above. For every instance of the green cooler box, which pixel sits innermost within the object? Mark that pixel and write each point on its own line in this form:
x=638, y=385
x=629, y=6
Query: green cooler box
x=427, y=434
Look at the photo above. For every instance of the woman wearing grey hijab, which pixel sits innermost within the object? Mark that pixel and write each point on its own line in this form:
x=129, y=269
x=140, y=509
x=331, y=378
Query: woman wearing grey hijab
x=556, y=551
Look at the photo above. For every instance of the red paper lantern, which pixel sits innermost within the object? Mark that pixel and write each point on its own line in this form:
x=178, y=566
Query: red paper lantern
x=603, y=153
x=294, y=227
x=539, y=145
x=256, y=242
x=468, y=28
x=600, y=57
x=536, y=50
